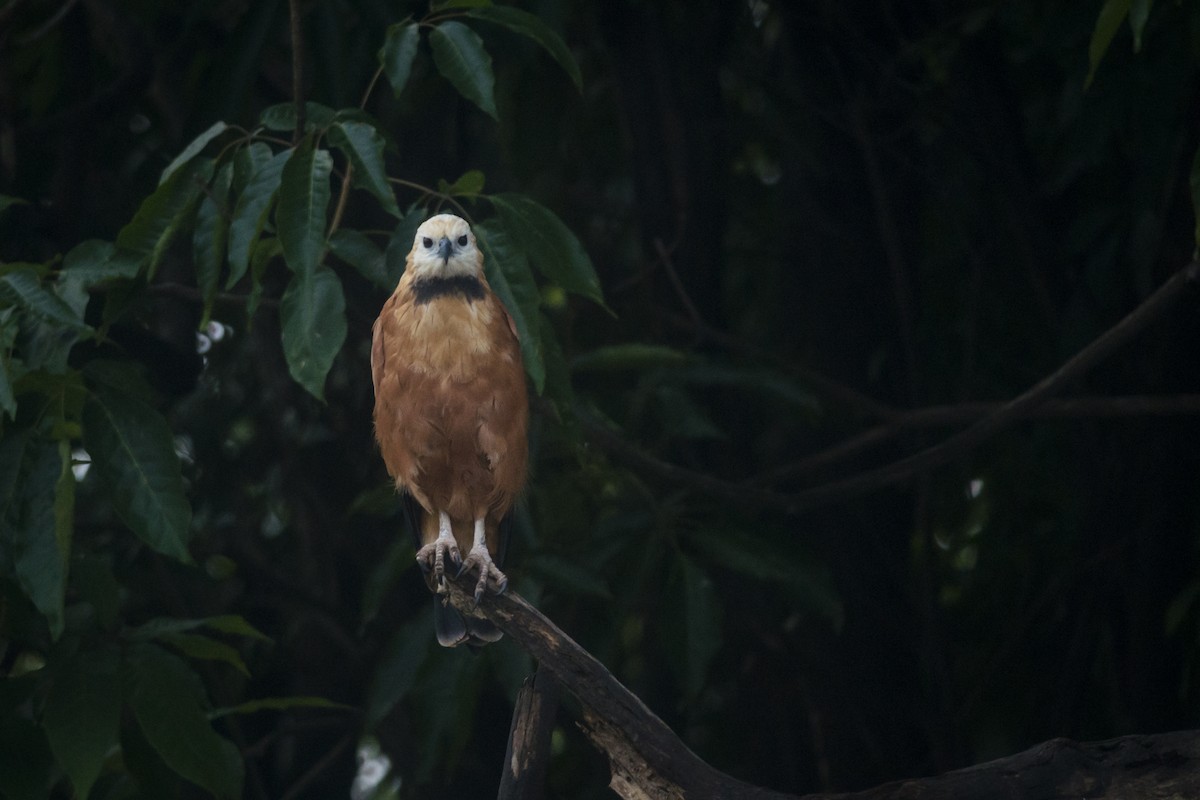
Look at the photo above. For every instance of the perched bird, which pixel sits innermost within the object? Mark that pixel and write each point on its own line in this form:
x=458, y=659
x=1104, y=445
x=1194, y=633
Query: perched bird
x=451, y=414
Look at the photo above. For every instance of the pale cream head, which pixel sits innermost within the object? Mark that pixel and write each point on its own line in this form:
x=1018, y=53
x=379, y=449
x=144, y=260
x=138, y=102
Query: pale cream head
x=444, y=247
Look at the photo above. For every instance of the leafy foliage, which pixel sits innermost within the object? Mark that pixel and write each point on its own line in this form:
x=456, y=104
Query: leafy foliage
x=708, y=224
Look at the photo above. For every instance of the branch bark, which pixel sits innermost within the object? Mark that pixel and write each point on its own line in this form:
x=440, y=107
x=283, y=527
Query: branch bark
x=647, y=761
x=528, y=752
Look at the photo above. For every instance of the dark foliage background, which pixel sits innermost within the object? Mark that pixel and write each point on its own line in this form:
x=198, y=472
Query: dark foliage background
x=805, y=217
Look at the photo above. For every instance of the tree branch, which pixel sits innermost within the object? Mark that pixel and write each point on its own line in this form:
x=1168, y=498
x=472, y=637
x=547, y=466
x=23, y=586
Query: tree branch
x=648, y=761
x=297, y=34
x=640, y=746
x=1033, y=402
x=528, y=752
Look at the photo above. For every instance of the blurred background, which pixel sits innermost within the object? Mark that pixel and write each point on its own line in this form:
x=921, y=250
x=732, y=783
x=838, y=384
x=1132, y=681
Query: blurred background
x=807, y=218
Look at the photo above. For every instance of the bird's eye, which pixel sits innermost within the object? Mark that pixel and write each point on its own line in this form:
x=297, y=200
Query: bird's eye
x=427, y=242
x=462, y=240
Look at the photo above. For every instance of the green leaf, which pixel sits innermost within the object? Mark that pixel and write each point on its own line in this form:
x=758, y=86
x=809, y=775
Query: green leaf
x=401, y=242
x=1194, y=183
x=36, y=517
x=398, y=53
x=251, y=212
x=508, y=272
x=469, y=184
x=10, y=368
x=264, y=251
x=134, y=453
x=363, y=145
x=532, y=27
x=384, y=574
x=357, y=250
x=161, y=214
x=205, y=648
x=7, y=201
x=446, y=703
x=769, y=383
x=459, y=56
x=197, y=144
x=636, y=356
x=808, y=582
x=93, y=262
x=396, y=673
x=549, y=243
x=247, y=162
x=282, y=117
x=694, y=633
x=48, y=329
x=210, y=240
x=25, y=759
x=448, y=4
x=568, y=576
x=681, y=416
x=169, y=705
x=92, y=577
x=1112, y=14
x=235, y=624
x=24, y=287
x=82, y=715
x=1139, y=13
x=303, y=202
x=225, y=623
x=313, y=313
x=154, y=778
x=277, y=704
x=1181, y=608
x=558, y=390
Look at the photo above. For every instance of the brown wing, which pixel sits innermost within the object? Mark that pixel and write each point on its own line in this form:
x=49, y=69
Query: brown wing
x=377, y=354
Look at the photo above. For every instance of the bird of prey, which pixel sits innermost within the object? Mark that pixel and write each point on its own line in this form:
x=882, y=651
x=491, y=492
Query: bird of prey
x=451, y=414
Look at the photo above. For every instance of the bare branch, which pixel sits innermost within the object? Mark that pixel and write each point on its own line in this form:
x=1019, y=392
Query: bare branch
x=1035, y=402
x=297, y=34
x=641, y=743
x=528, y=752
x=649, y=762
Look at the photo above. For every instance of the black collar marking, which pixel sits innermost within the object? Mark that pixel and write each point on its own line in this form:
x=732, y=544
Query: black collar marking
x=466, y=286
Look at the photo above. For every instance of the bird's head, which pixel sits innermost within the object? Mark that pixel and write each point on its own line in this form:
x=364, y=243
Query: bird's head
x=444, y=247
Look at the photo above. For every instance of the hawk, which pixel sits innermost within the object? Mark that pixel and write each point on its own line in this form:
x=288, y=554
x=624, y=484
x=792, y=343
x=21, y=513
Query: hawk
x=451, y=414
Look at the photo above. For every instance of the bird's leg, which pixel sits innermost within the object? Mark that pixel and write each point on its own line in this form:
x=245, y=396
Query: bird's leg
x=480, y=558
x=432, y=556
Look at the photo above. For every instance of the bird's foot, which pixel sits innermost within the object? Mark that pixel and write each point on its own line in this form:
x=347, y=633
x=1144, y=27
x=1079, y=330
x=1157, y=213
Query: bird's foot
x=480, y=559
x=432, y=558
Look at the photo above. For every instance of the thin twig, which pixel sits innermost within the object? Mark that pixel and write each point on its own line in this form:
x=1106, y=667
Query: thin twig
x=48, y=25
x=322, y=764
x=967, y=413
x=956, y=446
x=843, y=395
x=999, y=417
x=297, y=70
x=343, y=197
x=184, y=292
x=664, y=257
x=434, y=193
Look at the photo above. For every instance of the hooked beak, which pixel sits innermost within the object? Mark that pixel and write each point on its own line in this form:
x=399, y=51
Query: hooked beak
x=444, y=248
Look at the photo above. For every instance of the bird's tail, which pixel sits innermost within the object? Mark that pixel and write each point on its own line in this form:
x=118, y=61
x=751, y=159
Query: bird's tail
x=453, y=628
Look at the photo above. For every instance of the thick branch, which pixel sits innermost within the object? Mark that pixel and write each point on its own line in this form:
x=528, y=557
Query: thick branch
x=528, y=752
x=636, y=741
x=649, y=762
